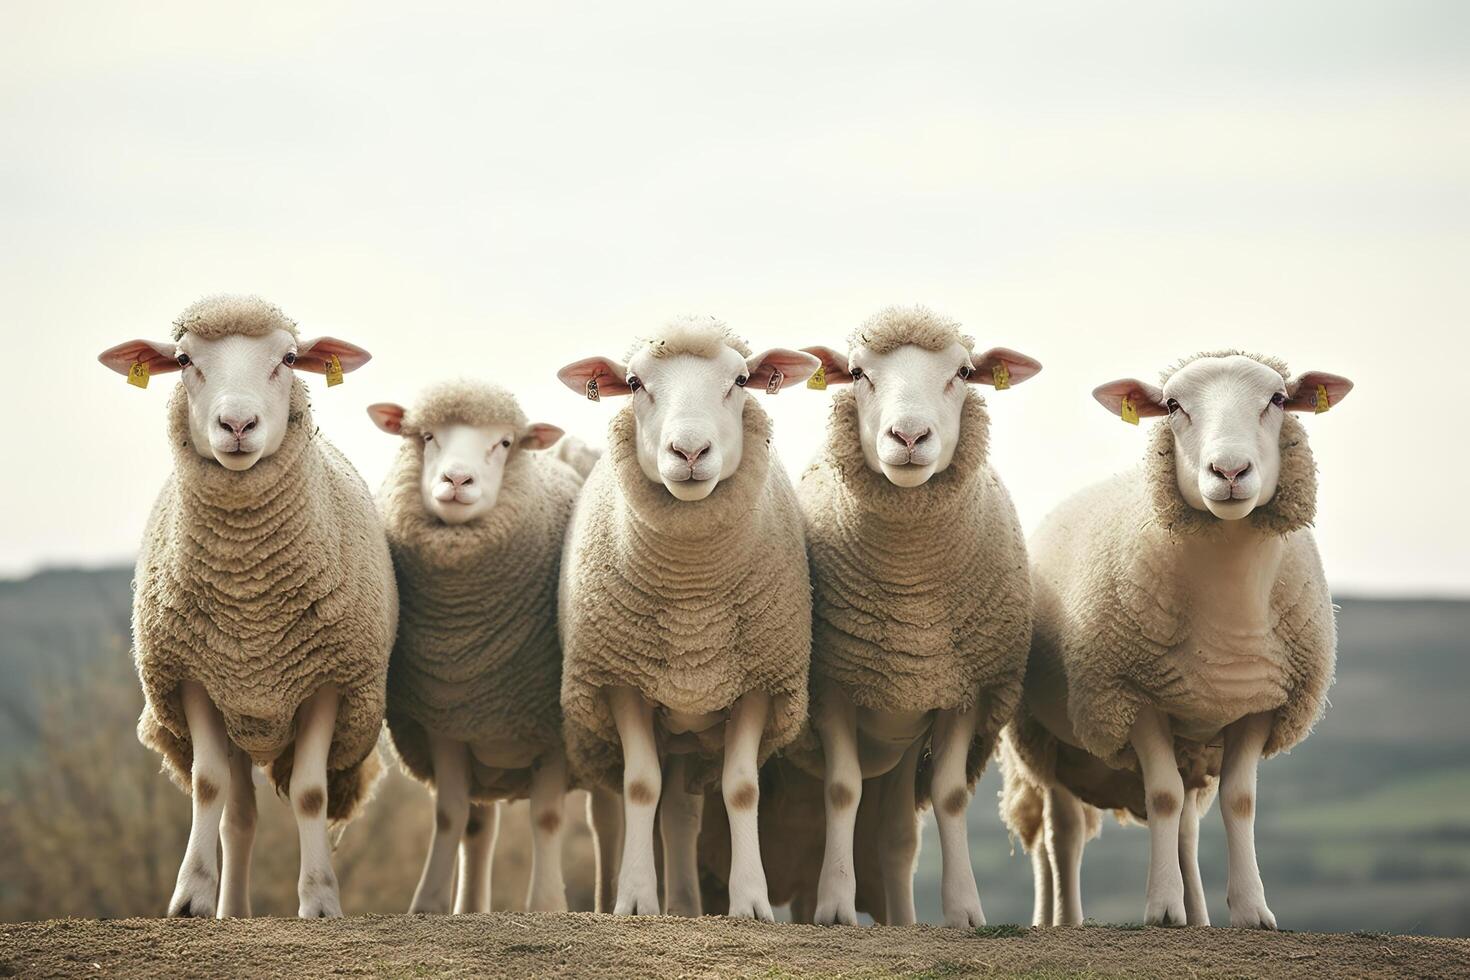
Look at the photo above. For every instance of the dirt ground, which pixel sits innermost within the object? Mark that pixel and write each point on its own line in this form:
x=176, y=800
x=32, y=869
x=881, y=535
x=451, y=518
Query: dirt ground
x=581, y=944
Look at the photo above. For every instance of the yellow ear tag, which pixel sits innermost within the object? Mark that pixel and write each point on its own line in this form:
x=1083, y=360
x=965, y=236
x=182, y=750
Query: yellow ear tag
x=138, y=375
x=334, y=372
x=818, y=381
x=1322, y=403
x=1001, y=375
x=1129, y=412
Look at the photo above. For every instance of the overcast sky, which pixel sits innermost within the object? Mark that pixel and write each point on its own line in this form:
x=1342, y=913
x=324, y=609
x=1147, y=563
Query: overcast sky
x=498, y=189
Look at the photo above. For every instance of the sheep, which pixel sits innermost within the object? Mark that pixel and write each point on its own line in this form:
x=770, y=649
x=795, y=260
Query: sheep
x=475, y=519
x=1184, y=630
x=685, y=607
x=921, y=601
x=264, y=606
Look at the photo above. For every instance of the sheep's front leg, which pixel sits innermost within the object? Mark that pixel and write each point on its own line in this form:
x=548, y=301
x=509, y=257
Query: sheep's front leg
x=1041, y=883
x=1245, y=893
x=1065, y=833
x=1163, y=790
x=836, y=724
x=198, y=882
x=960, y=898
x=1195, y=909
x=679, y=814
x=740, y=783
x=317, y=885
x=451, y=762
x=900, y=844
x=642, y=783
x=605, y=817
x=476, y=849
x=548, y=890
x=237, y=833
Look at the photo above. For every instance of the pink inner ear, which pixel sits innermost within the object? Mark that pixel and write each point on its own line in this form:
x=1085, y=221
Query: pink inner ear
x=315, y=355
x=158, y=355
x=834, y=365
x=387, y=416
x=795, y=367
x=1018, y=366
x=541, y=435
x=611, y=376
x=1303, y=390
x=1147, y=400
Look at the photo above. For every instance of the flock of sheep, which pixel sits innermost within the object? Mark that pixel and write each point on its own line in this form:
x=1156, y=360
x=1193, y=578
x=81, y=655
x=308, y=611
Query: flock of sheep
x=774, y=680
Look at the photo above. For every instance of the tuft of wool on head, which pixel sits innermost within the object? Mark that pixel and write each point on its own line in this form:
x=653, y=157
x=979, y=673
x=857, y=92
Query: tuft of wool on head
x=702, y=336
x=891, y=328
x=225, y=315
x=463, y=402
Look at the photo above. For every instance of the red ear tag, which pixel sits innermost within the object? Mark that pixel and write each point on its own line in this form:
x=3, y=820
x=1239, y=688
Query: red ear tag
x=773, y=387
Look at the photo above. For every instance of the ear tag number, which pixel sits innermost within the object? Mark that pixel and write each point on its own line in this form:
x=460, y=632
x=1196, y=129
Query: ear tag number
x=1322, y=403
x=593, y=395
x=1129, y=412
x=773, y=386
x=1001, y=375
x=818, y=381
x=138, y=375
x=334, y=372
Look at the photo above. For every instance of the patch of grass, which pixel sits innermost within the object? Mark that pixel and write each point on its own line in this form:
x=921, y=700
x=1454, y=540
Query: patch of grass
x=1003, y=930
x=938, y=971
x=1123, y=926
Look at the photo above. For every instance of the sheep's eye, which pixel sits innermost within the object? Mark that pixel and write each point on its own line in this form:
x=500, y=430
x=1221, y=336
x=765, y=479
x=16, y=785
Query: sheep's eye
x=743, y=380
x=1172, y=405
x=857, y=373
x=428, y=437
x=965, y=372
x=290, y=358
x=183, y=360
x=634, y=382
x=505, y=443
x=1279, y=399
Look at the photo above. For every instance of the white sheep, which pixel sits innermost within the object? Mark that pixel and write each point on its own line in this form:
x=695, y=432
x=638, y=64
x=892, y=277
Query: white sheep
x=475, y=520
x=264, y=605
x=685, y=606
x=1184, y=629
x=921, y=601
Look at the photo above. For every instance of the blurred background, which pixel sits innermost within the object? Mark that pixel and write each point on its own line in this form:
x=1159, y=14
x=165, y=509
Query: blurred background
x=496, y=190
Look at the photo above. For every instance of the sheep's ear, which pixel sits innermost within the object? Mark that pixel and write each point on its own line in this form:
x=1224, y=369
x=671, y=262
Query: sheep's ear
x=540, y=435
x=834, y=366
x=1144, y=399
x=778, y=368
x=316, y=355
x=388, y=417
x=1316, y=391
x=595, y=377
x=1003, y=367
x=157, y=355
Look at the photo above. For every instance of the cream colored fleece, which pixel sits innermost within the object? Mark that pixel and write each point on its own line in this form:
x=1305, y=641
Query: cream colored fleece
x=264, y=586
x=477, y=656
x=921, y=598
x=693, y=603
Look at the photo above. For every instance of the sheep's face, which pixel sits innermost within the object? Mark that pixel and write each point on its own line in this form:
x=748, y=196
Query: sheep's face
x=910, y=401
x=1225, y=414
x=463, y=465
x=689, y=410
x=239, y=386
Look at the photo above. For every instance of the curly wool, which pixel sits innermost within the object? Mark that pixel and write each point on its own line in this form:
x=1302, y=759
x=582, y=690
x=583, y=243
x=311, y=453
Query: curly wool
x=895, y=326
x=701, y=336
x=264, y=586
x=223, y=315
x=477, y=656
x=921, y=596
x=693, y=603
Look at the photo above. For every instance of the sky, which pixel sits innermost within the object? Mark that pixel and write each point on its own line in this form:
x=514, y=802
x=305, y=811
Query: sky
x=494, y=190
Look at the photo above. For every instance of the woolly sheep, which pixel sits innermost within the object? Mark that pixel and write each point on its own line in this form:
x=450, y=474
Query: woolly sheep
x=685, y=607
x=922, y=606
x=264, y=605
x=475, y=520
x=1184, y=629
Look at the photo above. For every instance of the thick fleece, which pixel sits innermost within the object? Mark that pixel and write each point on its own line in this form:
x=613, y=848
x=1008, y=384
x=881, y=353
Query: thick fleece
x=477, y=657
x=921, y=597
x=1111, y=608
x=693, y=603
x=264, y=586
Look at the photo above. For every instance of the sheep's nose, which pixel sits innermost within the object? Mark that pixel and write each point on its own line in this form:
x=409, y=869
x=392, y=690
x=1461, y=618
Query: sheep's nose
x=691, y=456
x=909, y=439
x=238, y=425
x=1229, y=471
x=459, y=478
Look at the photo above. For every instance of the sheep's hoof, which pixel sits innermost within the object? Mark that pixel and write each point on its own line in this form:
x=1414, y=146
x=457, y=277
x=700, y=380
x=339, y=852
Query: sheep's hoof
x=319, y=898
x=967, y=917
x=751, y=907
x=194, y=897
x=1251, y=915
x=637, y=900
x=835, y=911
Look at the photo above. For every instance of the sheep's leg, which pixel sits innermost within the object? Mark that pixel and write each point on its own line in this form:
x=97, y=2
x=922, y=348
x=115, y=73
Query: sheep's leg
x=1245, y=893
x=548, y=890
x=642, y=784
x=451, y=762
x=1041, y=884
x=317, y=885
x=678, y=822
x=237, y=833
x=836, y=724
x=1065, y=832
x=959, y=897
x=900, y=845
x=740, y=783
x=605, y=817
x=1163, y=789
x=1195, y=909
x=472, y=891
x=197, y=888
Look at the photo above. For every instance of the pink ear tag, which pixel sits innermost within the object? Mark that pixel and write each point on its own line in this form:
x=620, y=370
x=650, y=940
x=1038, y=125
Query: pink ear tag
x=593, y=395
x=773, y=386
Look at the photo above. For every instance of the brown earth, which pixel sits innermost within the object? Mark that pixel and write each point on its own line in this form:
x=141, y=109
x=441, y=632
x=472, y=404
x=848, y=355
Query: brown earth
x=582, y=944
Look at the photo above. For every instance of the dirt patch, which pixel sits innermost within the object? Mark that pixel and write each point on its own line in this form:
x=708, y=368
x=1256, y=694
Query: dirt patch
x=582, y=944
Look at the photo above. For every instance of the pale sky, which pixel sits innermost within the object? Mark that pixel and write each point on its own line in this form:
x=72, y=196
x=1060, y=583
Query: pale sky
x=494, y=190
